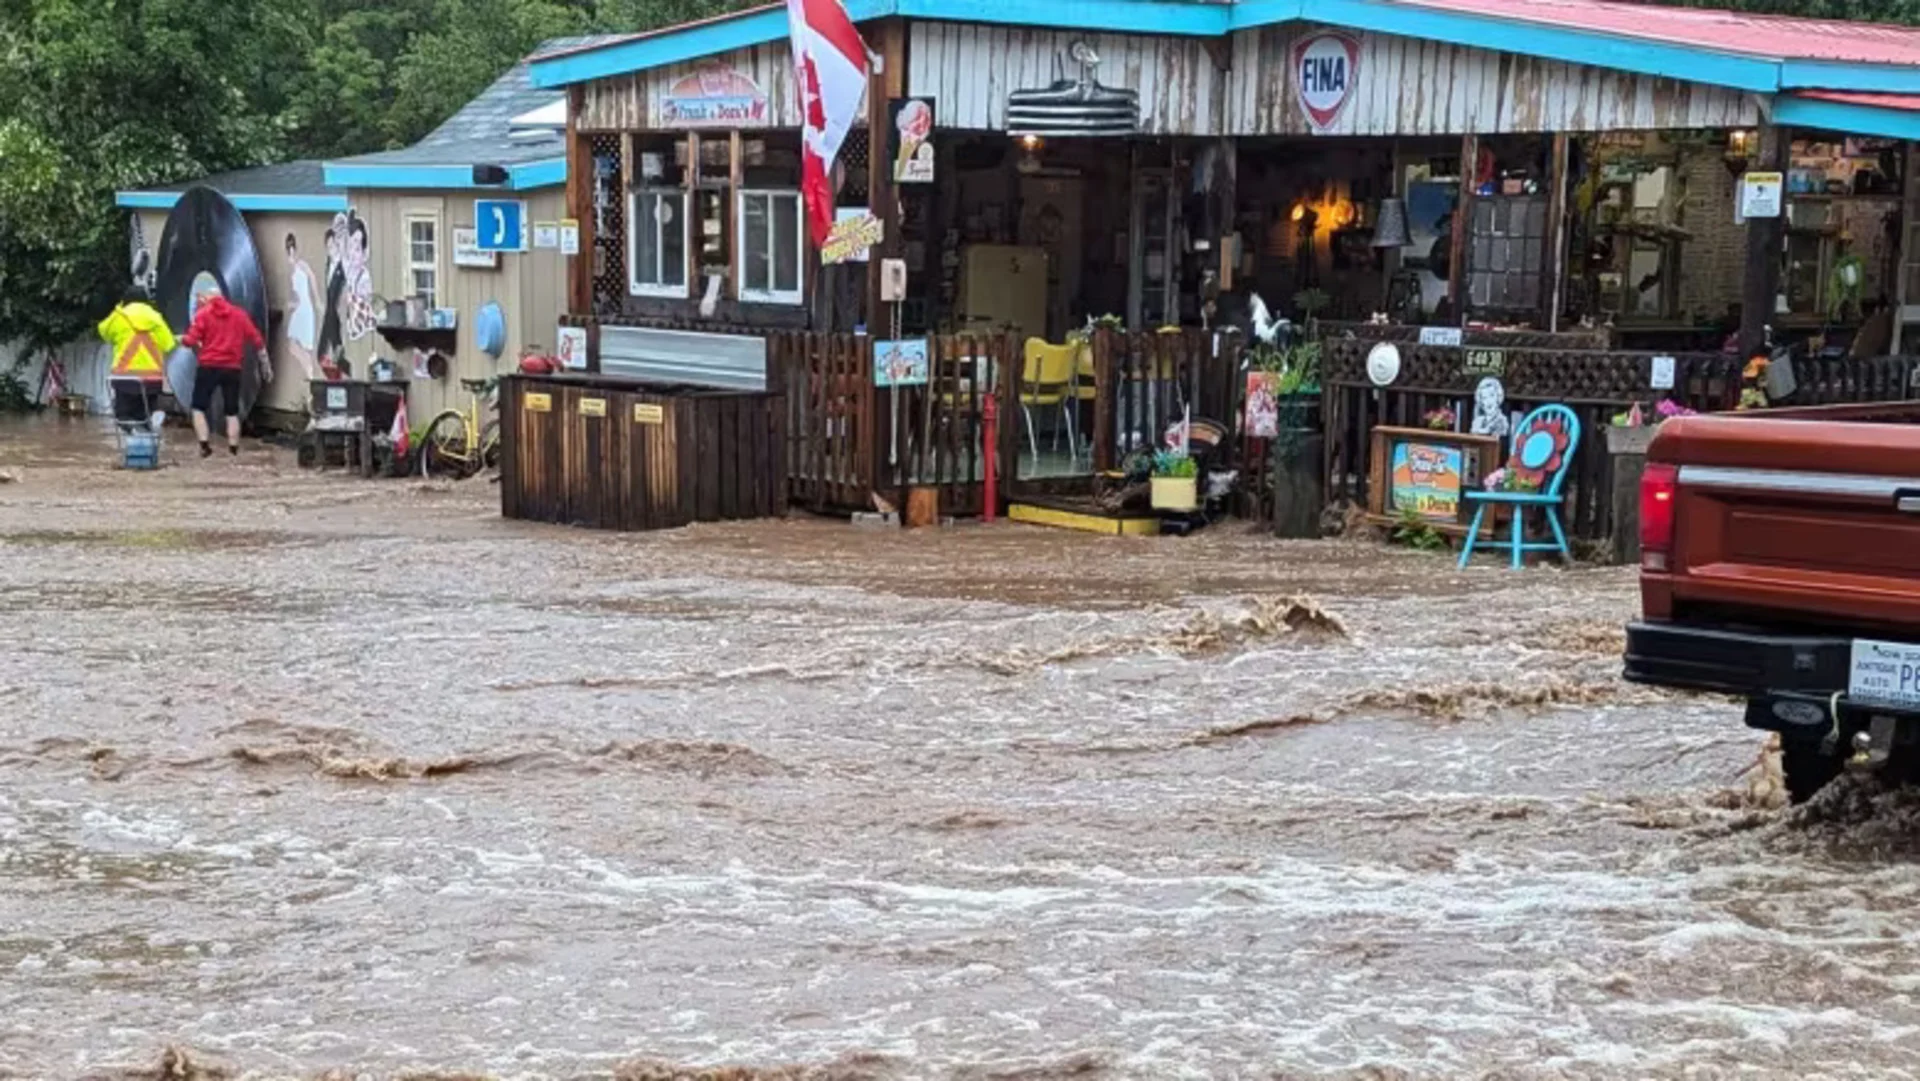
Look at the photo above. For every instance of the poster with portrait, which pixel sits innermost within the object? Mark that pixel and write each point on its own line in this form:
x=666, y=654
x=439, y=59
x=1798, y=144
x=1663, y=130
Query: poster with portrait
x=910, y=136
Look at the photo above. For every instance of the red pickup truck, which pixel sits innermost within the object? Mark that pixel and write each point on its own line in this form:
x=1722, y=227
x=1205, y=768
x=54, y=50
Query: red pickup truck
x=1780, y=563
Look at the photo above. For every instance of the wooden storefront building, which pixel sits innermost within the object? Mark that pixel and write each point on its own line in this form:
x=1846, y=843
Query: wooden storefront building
x=1546, y=166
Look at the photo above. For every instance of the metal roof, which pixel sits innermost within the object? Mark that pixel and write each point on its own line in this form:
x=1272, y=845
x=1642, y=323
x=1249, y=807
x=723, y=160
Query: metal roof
x=1778, y=37
x=1758, y=53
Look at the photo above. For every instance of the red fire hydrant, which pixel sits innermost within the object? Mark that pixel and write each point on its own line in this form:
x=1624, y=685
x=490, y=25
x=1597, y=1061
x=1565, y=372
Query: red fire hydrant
x=990, y=438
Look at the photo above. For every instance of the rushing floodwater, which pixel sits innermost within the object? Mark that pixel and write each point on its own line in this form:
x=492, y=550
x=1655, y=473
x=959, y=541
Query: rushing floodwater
x=302, y=774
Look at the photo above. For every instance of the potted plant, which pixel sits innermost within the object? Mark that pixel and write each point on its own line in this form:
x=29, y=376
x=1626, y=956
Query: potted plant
x=1176, y=481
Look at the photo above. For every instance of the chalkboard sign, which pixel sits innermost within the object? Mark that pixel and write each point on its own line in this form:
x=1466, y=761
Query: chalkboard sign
x=1427, y=473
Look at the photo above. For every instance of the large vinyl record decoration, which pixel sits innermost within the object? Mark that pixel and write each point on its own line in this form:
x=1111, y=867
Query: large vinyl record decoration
x=206, y=242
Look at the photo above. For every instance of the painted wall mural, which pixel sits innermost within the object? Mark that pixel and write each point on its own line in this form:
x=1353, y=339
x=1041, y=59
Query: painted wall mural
x=303, y=310
x=348, y=312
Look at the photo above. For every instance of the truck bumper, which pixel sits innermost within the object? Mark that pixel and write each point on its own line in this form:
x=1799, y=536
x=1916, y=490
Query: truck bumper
x=1794, y=686
x=1730, y=662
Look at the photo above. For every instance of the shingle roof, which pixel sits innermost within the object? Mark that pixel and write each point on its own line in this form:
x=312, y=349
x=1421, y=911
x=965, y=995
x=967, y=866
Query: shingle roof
x=480, y=132
x=287, y=178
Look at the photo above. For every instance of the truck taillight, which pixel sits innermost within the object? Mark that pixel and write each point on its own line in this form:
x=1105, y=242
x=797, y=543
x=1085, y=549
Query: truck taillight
x=1659, y=487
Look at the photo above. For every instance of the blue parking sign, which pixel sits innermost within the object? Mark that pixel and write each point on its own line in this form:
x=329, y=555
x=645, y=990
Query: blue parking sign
x=500, y=224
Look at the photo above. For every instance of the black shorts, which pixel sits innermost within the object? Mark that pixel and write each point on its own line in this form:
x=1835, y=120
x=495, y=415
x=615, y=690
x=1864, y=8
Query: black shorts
x=224, y=380
x=135, y=399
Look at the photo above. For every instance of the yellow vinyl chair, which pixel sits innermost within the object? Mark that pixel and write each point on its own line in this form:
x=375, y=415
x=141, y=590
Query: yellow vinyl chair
x=1048, y=381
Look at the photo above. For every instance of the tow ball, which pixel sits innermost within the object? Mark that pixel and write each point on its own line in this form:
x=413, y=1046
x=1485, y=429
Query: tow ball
x=1873, y=748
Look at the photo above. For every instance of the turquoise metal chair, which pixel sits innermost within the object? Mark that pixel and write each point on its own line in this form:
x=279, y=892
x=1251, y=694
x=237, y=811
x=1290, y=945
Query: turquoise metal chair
x=1543, y=447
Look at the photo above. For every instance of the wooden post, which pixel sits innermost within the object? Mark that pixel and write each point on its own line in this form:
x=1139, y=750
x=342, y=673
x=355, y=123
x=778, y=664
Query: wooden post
x=696, y=225
x=1462, y=229
x=734, y=170
x=1552, y=282
x=886, y=81
x=580, y=191
x=1764, y=238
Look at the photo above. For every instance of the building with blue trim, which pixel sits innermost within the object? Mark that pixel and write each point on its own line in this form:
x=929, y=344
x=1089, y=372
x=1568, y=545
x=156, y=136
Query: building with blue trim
x=340, y=238
x=1537, y=162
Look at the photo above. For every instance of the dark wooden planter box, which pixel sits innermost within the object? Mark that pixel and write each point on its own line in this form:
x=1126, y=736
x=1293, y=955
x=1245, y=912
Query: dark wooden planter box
x=615, y=454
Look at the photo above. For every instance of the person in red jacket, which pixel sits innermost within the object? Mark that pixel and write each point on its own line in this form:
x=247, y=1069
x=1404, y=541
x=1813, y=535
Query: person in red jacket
x=221, y=334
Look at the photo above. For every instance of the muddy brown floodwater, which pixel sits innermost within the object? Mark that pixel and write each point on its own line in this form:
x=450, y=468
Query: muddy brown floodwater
x=303, y=774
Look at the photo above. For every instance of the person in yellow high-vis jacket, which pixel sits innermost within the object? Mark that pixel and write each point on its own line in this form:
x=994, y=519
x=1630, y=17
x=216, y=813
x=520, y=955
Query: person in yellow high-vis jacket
x=141, y=340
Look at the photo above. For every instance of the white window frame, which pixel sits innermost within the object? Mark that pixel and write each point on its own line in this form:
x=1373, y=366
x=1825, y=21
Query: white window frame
x=635, y=286
x=796, y=295
x=414, y=267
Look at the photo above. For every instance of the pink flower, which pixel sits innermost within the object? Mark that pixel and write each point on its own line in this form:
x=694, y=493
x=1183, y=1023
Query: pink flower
x=1495, y=480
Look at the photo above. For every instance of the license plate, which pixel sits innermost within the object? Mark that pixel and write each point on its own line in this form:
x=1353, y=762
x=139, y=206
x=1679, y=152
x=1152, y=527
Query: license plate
x=1885, y=673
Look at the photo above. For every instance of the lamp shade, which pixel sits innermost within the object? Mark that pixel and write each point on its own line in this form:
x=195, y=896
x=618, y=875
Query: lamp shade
x=1391, y=232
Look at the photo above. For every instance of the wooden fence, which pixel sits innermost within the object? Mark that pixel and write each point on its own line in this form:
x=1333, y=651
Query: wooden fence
x=1595, y=385
x=611, y=454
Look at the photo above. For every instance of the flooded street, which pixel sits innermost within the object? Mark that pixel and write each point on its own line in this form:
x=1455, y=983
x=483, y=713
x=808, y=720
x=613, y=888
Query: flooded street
x=301, y=773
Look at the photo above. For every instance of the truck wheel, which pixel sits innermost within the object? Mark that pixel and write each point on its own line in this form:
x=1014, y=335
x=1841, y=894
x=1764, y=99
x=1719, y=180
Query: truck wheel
x=1807, y=767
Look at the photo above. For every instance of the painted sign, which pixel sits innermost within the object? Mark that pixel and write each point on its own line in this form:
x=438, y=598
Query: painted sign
x=649, y=413
x=900, y=364
x=573, y=347
x=714, y=96
x=1426, y=479
x=466, y=249
x=912, y=140
x=1324, y=69
x=502, y=224
x=1263, y=405
x=855, y=231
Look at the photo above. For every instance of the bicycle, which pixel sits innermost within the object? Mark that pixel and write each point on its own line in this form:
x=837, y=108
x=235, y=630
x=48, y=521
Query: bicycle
x=461, y=442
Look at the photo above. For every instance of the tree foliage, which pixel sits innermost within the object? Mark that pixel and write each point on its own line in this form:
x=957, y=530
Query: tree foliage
x=107, y=95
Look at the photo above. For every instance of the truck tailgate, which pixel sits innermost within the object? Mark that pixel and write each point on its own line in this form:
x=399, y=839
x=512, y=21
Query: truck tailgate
x=1812, y=519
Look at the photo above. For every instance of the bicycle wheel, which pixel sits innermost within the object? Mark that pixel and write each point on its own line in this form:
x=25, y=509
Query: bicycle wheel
x=490, y=443
x=443, y=449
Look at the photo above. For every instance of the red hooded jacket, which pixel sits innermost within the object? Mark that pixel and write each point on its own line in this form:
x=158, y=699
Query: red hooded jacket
x=221, y=333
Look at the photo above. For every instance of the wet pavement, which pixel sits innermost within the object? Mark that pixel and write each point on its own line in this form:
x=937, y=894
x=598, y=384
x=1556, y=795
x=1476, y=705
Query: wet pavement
x=302, y=773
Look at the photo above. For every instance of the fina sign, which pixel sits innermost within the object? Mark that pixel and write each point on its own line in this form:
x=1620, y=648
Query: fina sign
x=1324, y=69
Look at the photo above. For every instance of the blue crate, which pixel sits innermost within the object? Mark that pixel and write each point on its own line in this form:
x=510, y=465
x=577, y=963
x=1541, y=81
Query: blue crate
x=141, y=450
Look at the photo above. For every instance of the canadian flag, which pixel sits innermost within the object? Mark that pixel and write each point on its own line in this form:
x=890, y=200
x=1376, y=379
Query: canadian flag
x=830, y=69
x=400, y=433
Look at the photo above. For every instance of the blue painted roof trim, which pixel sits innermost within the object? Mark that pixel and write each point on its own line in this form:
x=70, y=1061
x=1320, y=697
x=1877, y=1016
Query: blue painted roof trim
x=259, y=204
x=1756, y=74
x=1844, y=116
x=526, y=176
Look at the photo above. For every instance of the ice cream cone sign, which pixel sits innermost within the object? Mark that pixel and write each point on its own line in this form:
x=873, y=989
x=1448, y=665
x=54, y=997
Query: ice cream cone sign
x=913, y=141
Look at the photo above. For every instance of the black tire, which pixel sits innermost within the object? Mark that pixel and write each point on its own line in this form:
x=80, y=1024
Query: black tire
x=1807, y=767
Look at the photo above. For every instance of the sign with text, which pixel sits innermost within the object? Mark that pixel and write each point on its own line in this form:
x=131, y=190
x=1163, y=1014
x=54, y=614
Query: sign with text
x=1441, y=336
x=1324, y=69
x=1426, y=479
x=1485, y=362
x=572, y=347
x=1762, y=195
x=714, y=96
x=852, y=237
x=900, y=364
x=466, y=249
x=912, y=140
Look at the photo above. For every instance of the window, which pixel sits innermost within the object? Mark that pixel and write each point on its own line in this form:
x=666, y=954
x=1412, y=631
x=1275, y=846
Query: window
x=657, y=242
x=423, y=259
x=1506, y=254
x=770, y=247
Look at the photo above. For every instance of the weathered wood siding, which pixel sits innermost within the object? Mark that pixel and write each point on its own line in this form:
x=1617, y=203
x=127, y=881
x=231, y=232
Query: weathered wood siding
x=969, y=69
x=632, y=102
x=1407, y=86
